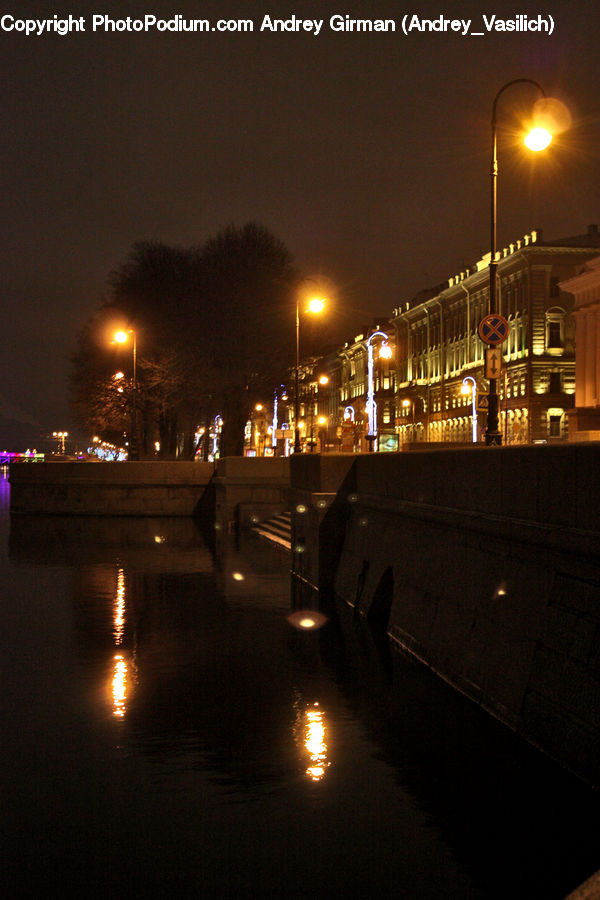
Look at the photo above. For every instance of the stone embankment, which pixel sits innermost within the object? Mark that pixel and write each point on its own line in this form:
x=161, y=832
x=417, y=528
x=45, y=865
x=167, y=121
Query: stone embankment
x=483, y=564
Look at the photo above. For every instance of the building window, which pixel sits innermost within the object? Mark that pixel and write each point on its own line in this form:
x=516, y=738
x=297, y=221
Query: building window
x=554, y=338
x=554, y=426
x=554, y=384
x=555, y=329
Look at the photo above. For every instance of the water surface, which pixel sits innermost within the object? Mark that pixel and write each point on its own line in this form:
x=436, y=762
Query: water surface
x=166, y=731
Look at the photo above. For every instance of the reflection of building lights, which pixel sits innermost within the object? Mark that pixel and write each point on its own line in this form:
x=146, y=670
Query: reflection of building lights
x=119, y=608
x=119, y=686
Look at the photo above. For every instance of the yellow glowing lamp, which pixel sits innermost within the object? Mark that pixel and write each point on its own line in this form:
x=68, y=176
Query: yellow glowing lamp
x=316, y=305
x=465, y=389
x=385, y=351
x=324, y=379
x=538, y=139
x=121, y=337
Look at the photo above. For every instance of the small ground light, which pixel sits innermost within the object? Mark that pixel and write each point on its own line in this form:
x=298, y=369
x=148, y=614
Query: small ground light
x=237, y=576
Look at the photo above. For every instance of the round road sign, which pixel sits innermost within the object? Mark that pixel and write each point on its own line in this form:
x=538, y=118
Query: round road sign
x=493, y=329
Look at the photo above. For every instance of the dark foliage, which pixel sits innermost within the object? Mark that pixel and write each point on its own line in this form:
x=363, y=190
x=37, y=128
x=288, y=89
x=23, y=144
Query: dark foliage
x=214, y=328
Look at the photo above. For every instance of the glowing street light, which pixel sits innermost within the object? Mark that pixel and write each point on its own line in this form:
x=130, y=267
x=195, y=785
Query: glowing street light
x=538, y=139
x=469, y=386
x=61, y=436
x=315, y=306
x=121, y=337
x=385, y=352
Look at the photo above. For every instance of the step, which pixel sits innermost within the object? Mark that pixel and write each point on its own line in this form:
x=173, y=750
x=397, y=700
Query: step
x=277, y=529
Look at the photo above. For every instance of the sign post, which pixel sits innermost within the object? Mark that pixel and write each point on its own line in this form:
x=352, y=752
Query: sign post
x=493, y=330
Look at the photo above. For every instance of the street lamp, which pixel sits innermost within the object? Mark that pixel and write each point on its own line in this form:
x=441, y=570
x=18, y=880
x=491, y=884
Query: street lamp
x=315, y=306
x=385, y=352
x=61, y=437
x=121, y=337
x=469, y=386
x=537, y=139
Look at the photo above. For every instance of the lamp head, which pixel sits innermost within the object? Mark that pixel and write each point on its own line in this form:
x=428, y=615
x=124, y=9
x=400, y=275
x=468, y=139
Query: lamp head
x=538, y=139
x=550, y=117
x=316, y=305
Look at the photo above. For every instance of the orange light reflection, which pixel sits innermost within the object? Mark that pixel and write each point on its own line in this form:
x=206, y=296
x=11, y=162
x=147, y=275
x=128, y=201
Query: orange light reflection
x=119, y=686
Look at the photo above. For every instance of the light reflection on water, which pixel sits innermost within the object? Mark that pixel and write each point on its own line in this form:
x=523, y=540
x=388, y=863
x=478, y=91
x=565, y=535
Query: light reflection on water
x=166, y=728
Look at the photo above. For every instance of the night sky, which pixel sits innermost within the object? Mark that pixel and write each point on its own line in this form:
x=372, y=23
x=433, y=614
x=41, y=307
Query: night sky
x=367, y=154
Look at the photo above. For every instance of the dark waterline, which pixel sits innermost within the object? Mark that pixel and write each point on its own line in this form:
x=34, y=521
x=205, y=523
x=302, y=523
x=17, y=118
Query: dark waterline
x=166, y=731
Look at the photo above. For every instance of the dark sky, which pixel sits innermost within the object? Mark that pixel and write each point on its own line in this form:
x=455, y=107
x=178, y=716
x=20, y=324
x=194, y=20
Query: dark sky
x=367, y=154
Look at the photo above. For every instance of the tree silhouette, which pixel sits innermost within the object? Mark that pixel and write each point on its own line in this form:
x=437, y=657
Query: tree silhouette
x=246, y=283
x=215, y=331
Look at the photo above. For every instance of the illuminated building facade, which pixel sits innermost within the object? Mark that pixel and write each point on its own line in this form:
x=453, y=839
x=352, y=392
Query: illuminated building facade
x=584, y=419
x=420, y=390
x=350, y=382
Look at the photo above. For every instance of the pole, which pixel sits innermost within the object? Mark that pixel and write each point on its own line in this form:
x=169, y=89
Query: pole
x=133, y=447
x=371, y=403
x=296, y=389
x=466, y=379
x=492, y=434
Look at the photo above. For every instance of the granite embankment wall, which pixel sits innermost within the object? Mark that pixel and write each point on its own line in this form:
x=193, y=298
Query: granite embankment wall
x=109, y=488
x=230, y=494
x=483, y=563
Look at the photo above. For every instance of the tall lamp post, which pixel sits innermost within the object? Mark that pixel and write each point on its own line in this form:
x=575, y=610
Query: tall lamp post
x=470, y=387
x=537, y=139
x=316, y=305
x=121, y=337
x=385, y=352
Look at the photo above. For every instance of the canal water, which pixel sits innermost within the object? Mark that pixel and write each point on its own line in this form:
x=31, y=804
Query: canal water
x=170, y=729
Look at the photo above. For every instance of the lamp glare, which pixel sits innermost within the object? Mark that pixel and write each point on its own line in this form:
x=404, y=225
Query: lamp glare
x=316, y=305
x=538, y=139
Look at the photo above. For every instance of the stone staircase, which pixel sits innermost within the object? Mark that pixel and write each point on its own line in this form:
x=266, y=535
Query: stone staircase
x=277, y=529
